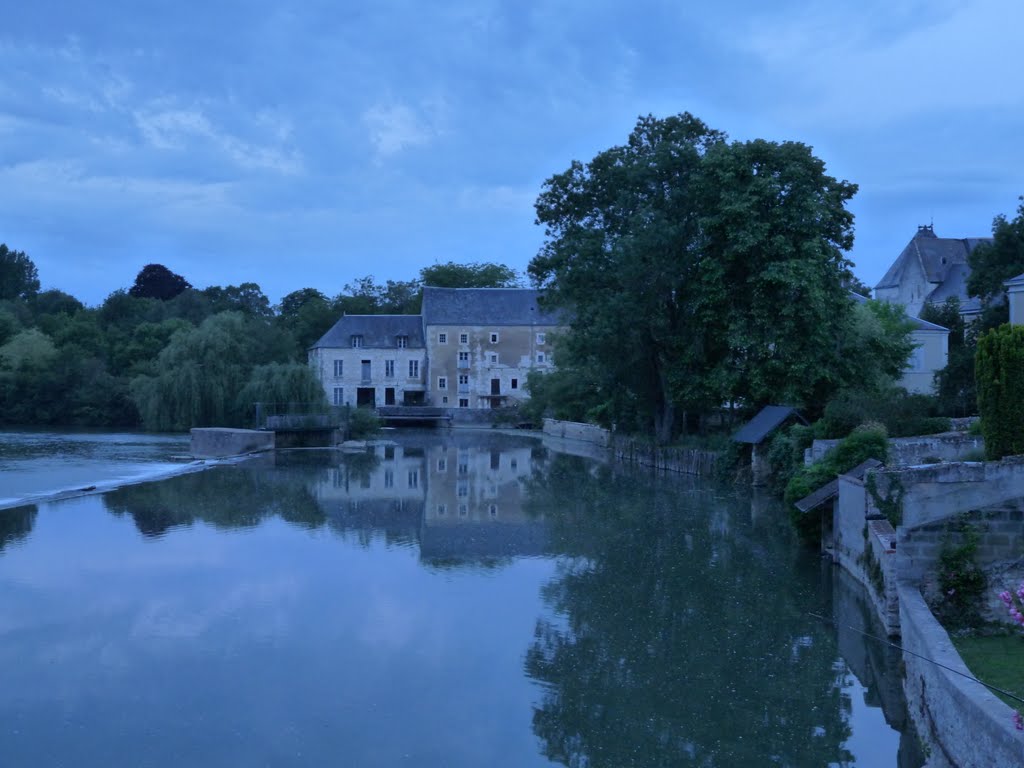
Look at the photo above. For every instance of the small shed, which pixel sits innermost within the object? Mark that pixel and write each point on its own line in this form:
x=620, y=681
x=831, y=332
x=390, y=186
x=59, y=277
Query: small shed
x=754, y=432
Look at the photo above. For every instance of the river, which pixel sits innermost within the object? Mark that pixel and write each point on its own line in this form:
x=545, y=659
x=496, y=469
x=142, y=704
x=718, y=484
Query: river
x=441, y=599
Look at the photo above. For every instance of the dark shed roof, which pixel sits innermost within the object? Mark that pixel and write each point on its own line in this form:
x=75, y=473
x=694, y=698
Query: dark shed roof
x=484, y=306
x=759, y=427
x=378, y=331
x=831, y=489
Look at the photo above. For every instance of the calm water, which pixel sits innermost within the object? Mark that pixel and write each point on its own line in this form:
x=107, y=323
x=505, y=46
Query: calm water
x=441, y=601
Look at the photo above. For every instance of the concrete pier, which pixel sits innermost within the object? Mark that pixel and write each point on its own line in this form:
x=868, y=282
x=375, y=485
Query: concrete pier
x=221, y=442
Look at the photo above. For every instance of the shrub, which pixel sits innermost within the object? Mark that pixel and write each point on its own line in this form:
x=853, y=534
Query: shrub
x=362, y=423
x=869, y=441
x=902, y=414
x=961, y=582
x=999, y=368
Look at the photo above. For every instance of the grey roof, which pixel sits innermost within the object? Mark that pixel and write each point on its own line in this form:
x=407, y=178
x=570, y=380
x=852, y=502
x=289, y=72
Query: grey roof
x=943, y=260
x=378, y=331
x=1018, y=280
x=484, y=306
x=919, y=324
x=955, y=286
x=759, y=427
x=935, y=255
x=831, y=488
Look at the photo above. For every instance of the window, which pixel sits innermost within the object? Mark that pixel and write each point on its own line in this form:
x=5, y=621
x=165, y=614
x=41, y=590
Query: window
x=339, y=368
x=389, y=453
x=540, y=358
x=462, y=491
x=463, y=338
x=514, y=464
x=463, y=402
x=540, y=338
x=493, y=509
x=414, y=478
x=444, y=400
x=442, y=338
x=463, y=510
x=401, y=342
x=514, y=384
x=442, y=382
x=442, y=464
x=463, y=359
x=389, y=478
x=339, y=396
x=494, y=338
x=389, y=369
x=442, y=510
x=493, y=357
x=463, y=466
x=495, y=459
x=414, y=369
x=357, y=341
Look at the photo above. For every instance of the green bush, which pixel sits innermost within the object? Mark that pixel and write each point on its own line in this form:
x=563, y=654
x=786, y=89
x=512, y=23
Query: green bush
x=902, y=414
x=999, y=368
x=869, y=441
x=362, y=423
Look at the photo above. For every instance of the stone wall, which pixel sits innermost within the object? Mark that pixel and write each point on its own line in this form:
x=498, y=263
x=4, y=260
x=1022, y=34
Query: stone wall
x=963, y=721
x=687, y=461
x=910, y=451
x=573, y=430
x=1000, y=532
x=934, y=492
x=220, y=442
x=866, y=549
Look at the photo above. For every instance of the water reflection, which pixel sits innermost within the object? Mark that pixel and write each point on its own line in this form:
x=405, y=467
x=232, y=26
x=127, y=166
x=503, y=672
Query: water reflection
x=678, y=637
x=16, y=524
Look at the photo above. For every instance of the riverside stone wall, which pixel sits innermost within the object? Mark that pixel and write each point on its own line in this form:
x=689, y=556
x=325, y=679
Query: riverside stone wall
x=910, y=451
x=220, y=442
x=964, y=723
x=687, y=461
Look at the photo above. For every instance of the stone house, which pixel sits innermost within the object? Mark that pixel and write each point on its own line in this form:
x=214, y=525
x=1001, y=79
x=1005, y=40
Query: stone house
x=929, y=270
x=481, y=343
x=470, y=348
x=372, y=360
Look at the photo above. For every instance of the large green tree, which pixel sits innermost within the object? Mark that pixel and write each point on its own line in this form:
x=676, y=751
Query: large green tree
x=474, y=275
x=19, y=278
x=698, y=271
x=996, y=262
x=155, y=281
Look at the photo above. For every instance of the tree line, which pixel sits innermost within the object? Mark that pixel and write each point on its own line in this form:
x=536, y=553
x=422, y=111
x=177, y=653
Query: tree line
x=163, y=355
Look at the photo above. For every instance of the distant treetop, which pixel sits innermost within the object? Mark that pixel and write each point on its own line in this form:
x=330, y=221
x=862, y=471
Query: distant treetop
x=155, y=281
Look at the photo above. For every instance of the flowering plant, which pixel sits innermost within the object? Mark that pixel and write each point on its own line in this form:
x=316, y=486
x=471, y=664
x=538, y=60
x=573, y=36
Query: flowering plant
x=1014, y=602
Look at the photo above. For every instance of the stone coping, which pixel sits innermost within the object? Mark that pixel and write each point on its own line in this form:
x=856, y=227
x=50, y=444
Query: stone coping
x=963, y=719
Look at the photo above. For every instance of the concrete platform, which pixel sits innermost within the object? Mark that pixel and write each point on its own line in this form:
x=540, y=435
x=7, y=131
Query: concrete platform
x=221, y=442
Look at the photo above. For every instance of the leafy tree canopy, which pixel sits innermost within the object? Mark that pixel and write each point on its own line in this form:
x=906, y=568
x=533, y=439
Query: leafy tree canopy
x=699, y=271
x=994, y=263
x=155, y=281
x=19, y=278
x=475, y=275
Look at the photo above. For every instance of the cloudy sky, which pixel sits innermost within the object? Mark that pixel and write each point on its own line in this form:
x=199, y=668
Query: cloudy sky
x=311, y=143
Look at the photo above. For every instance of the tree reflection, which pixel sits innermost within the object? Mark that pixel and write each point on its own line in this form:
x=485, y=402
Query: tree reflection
x=225, y=497
x=16, y=524
x=680, y=638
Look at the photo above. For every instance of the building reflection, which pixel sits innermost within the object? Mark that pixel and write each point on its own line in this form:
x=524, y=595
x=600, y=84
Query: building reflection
x=458, y=499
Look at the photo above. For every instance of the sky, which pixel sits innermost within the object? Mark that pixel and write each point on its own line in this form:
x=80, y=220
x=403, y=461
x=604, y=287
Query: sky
x=308, y=144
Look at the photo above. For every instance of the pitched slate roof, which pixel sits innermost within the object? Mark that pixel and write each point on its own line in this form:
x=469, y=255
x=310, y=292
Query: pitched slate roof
x=759, y=427
x=955, y=285
x=378, y=331
x=1018, y=280
x=484, y=306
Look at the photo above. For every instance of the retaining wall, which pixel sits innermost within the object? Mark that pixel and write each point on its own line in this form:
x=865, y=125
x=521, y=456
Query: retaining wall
x=219, y=442
x=909, y=451
x=866, y=549
x=966, y=725
x=934, y=492
x=687, y=461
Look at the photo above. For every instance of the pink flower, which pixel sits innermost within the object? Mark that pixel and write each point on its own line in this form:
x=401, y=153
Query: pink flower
x=1018, y=721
